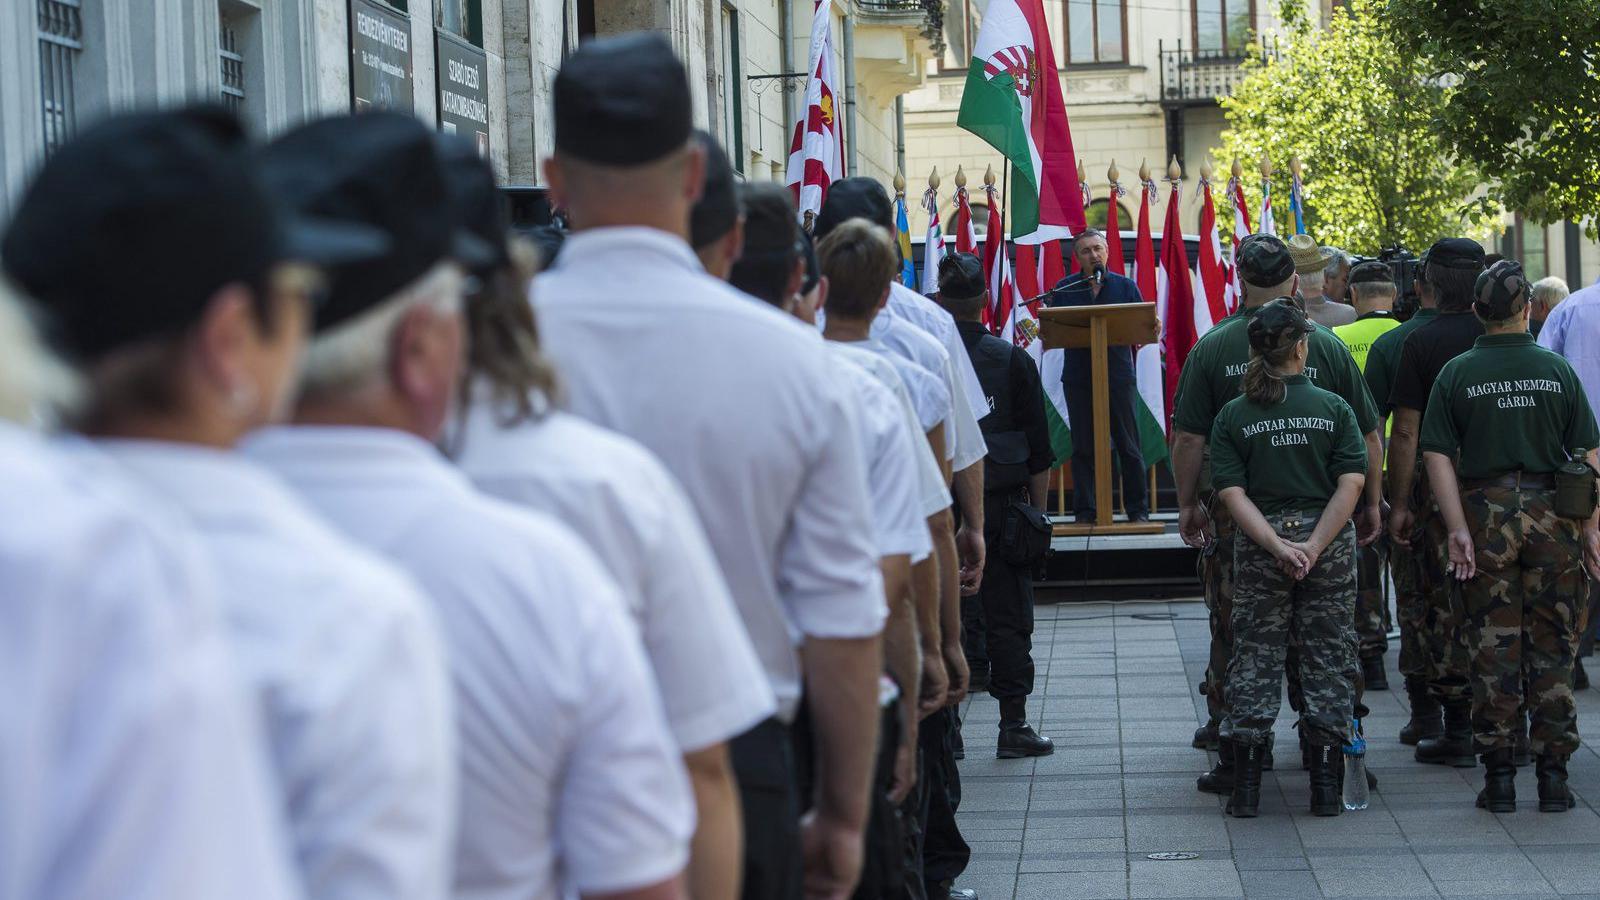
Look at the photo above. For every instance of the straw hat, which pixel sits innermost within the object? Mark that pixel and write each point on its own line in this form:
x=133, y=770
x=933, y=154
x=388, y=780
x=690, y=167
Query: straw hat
x=1306, y=254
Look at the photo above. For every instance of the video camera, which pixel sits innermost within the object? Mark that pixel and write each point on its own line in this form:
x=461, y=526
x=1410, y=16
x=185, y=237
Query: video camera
x=1405, y=265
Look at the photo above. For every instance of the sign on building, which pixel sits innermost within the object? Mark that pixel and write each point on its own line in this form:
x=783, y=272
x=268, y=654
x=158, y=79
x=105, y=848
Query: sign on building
x=380, y=57
x=463, y=81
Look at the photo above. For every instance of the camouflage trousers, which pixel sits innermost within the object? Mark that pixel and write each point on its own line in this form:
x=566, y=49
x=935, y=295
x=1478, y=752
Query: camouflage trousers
x=1216, y=574
x=1271, y=612
x=1449, y=663
x=1411, y=609
x=1372, y=613
x=1525, y=611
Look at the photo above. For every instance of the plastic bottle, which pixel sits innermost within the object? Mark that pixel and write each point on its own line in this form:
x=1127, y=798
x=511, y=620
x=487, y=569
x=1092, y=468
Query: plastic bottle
x=1355, y=769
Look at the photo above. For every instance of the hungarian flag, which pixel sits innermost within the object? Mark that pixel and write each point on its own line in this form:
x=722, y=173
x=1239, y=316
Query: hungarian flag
x=1241, y=230
x=966, y=238
x=1013, y=101
x=932, y=245
x=1174, y=301
x=816, y=155
x=1211, y=305
x=1144, y=249
x=1003, y=294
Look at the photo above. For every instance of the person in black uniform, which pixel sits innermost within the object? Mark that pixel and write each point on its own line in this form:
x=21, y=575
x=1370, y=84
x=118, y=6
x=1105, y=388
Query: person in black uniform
x=1093, y=285
x=1016, y=470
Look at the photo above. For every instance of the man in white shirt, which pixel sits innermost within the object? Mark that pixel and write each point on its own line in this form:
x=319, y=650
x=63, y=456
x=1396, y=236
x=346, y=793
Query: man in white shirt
x=619, y=498
x=741, y=405
x=189, y=325
x=570, y=782
x=130, y=759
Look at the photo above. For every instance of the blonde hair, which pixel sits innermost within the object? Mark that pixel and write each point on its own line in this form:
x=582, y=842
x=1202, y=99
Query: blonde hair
x=354, y=353
x=34, y=385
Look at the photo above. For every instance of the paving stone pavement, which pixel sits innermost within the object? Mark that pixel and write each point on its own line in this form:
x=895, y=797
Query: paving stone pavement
x=1115, y=689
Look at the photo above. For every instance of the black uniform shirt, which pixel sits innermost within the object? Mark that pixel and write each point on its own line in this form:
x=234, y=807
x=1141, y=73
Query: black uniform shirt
x=1015, y=395
x=1426, y=351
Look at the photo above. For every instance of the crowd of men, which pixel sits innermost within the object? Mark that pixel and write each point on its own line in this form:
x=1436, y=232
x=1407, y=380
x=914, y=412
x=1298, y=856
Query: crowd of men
x=335, y=568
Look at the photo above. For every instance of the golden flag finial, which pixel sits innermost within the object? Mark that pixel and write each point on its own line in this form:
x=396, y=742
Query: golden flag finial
x=1113, y=173
x=1144, y=170
x=1266, y=167
x=933, y=178
x=1174, y=171
x=1238, y=170
x=961, y=177
x=899, y=184
x=988, y=176
x=1295, y=166
x=1205, y=168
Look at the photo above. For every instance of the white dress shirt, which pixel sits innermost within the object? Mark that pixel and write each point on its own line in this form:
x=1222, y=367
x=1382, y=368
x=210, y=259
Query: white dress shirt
x=742, y=404
x=968, y=400
x=346, y=662
x=130, y=758
x=890, y=448
x=570, y=780
x=932, y=493
x=617, y=496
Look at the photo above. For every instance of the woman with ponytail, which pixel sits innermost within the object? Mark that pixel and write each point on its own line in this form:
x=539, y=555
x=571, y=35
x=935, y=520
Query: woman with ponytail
x=1288, y=460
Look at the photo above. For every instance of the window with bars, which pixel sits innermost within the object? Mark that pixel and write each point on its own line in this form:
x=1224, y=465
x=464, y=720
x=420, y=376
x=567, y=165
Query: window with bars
x=232, y=60
x=60, y=42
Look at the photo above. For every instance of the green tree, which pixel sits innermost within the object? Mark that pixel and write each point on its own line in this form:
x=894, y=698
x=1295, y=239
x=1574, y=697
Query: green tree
x=1523, y=102
x=1357, y=110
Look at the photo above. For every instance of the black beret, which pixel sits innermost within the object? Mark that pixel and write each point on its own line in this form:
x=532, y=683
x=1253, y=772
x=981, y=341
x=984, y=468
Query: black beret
x=961, y=277
x=1372, y=271
x=382, y=170
x=1456, y=253
x=1264, y=261
x=130, y=228
x=717, y=210
x=850, y=198
x=1501, y=290
x=479, y=208
x=622, y=101
x=1269, y=326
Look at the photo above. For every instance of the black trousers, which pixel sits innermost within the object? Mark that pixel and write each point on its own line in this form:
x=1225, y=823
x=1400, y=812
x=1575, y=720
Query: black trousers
x=997, y=622
x=883, y=867
x=945, y=853
x=764, y=765
x=1124, y=446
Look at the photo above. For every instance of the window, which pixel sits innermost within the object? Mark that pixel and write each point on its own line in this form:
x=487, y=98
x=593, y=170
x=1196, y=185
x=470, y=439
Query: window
x=1525, y=243
x=60, y=41
x=463, y=18
x=1222, y=27
x=962, y=19
x=1095, y=32
x=732, y=90
x=232, y=63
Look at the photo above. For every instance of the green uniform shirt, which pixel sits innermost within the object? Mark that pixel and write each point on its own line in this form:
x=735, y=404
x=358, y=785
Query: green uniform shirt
x=1508, y=405
x=1384, y=357
x=1287, y=457
x=1215, y=368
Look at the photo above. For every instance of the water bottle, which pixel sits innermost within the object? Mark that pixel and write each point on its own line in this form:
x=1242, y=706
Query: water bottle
x=1355, y=769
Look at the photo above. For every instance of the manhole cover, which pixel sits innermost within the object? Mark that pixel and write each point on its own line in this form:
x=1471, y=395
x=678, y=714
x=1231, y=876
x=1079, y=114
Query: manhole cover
x=1173, y=855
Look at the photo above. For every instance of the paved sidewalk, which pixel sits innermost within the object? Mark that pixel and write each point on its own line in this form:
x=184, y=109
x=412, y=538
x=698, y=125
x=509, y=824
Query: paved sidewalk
x=1115, y=689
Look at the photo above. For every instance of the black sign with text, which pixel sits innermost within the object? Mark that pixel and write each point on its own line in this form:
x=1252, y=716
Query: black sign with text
x=463, y=80
x=380, y=57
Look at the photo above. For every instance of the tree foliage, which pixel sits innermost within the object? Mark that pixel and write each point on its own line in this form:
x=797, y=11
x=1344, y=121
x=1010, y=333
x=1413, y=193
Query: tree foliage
x=1523, y=103
x=1357, y=110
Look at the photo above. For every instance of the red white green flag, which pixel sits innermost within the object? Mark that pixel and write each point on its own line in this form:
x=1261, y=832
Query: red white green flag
x=1013, y=101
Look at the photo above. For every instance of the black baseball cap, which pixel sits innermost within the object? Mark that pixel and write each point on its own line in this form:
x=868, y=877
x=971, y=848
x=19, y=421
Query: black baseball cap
x=718, y=209
x=1456, y=253
x=850, y=198
x=476, y=201
x=1269, y=325
x=381, y=170
x=130, y=228
x=1264, y=261
x=1501, y=290
x=622, y=101
x=1372, y=271
x=961, y=277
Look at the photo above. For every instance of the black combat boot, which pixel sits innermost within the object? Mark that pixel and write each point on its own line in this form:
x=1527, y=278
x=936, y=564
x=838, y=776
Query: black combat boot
x=1017, y=737
x=1266, y=752
x=1326, y=770
x=1205, y=737
x=1220, y=779
x=1454, y=747
x=1245, y=801
x=1425, y=721
x=1305, y=747
x=1373, y=674
x=1499, y=792
x=1554, y=795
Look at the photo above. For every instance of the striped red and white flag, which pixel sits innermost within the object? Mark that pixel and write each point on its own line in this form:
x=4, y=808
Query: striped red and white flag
x=1003, y=293
x=1241, y=230
x=1211, y=283
x=966, y=239
x=816, y=154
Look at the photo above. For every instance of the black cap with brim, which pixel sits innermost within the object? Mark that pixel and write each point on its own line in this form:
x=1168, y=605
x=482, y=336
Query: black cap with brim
x=961, y=277
x=1273, y=319
x=1456, y=253
x=380, y=170
x=1372, y=271
x=130, y=229
x=483, y=228
x=622, y=101
x=1500, y=290
x=1264, y=261
x=856, y=197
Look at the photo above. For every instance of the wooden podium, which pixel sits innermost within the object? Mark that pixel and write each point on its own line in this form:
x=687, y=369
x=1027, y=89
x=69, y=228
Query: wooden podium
x=1099, y=328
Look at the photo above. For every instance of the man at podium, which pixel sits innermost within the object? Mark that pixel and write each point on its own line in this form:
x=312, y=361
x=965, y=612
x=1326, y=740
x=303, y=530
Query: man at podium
x=1090, y=286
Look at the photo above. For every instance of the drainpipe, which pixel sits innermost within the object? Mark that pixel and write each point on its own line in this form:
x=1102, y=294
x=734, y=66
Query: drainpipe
x=900, y=133
x=852, y=148
x=785, y=65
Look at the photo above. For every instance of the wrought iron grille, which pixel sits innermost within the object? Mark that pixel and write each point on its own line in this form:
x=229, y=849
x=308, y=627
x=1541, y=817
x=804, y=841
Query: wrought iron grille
x=60, y=41
x=232, y=67
x=1191, y=76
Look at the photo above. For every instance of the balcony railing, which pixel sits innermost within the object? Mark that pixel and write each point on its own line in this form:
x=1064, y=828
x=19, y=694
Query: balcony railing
x=1193, y=77
x=926, y=15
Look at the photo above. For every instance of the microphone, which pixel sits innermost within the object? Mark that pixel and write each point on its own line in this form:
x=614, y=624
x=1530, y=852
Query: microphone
x=1098, y=276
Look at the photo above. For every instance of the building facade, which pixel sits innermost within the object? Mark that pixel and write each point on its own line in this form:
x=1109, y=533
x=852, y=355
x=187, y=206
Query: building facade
x=483, y=68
